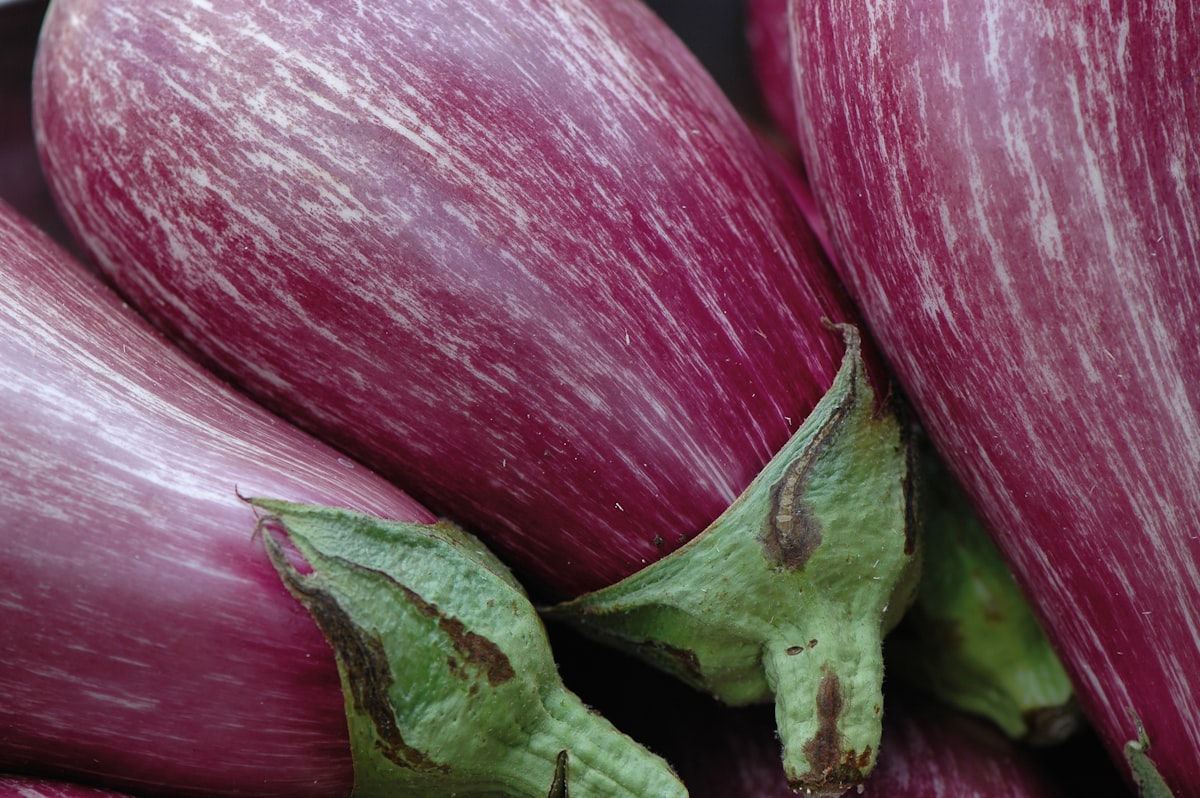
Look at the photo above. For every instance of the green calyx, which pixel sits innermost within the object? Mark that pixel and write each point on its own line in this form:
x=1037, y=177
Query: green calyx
x=1146, y=778
x=786, y=597
x=449, y=682
x=971, y=638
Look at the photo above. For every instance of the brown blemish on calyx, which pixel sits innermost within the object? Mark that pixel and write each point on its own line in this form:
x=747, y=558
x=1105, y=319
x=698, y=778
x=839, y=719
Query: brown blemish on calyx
x=558, y=786
x=793, y=651
x=793, y=533
x=364, y=659
x=829, y=766
x=683, y=660
x=474, y=649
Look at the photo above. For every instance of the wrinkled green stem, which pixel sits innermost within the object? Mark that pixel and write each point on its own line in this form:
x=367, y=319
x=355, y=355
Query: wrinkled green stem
x=787, y=595
x=1147, y=779
x=971, y=638
x=450, y=685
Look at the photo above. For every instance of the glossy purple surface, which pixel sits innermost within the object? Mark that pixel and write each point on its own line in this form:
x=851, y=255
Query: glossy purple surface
x=523, y=258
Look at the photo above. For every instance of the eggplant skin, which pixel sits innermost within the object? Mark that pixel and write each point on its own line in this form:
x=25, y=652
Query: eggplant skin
x=1012, y=193
x=146, y=642
x=522, y=258
x=29, y=787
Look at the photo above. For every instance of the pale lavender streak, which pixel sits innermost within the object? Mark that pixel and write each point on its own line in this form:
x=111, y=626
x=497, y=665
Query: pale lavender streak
x=522, y=257
x=1013, y=192
x=145, y=640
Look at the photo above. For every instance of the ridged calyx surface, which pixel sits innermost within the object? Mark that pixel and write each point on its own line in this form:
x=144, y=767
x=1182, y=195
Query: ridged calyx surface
x=450, y=685
x=971, y=638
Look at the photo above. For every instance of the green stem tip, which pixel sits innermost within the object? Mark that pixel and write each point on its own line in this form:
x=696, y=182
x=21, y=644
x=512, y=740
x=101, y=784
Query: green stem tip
x=1146, y=778
x=787, y=596
x=971, y=638
x=449, y=682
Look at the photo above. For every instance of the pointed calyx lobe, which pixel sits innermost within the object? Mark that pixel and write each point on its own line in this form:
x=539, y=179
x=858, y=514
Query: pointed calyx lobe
x=450, y=686
x=786, y=596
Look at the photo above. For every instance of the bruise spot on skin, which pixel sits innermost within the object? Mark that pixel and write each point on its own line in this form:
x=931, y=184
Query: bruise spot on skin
x=793, y=533
x=364, y=659
x=474, y=649
x=830, y=767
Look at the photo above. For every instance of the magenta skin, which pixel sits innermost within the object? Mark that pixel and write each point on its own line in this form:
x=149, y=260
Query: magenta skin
x=522, y=258
x=1012, y=197
x=146, y=642
x=30, y=787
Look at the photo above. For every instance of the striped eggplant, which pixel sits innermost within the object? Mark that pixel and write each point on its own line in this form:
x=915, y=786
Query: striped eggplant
x=146, y=640
x=527, y=261
x=540, y=235
x=1012, y=194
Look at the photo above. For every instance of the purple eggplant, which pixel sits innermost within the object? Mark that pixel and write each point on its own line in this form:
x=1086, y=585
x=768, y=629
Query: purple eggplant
x=767, y=46
x=527, y=261
x=539, y=236
x=1012, y=195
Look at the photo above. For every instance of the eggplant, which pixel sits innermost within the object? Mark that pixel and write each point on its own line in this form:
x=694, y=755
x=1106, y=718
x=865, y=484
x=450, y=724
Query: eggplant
x=526, y=261
x=147, y=642
x=1011, y=193
x=551, y=248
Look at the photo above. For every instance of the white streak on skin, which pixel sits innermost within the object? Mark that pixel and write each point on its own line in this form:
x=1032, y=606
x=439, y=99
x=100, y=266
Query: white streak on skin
x=1032, y=274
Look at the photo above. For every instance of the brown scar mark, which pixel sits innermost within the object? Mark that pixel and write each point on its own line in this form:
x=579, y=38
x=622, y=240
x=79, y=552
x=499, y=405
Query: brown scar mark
x=475, y=649
x=793, y=533
x=558, y=786
x=364, y=659
x=830, y=767
x=685, y=660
